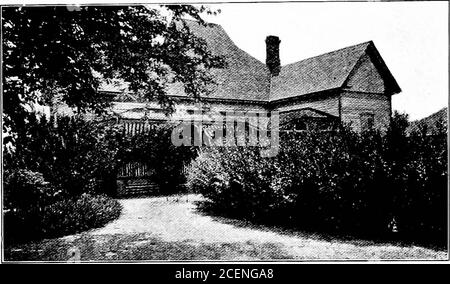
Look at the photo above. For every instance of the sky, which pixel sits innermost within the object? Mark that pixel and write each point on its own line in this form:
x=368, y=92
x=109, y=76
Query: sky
x=411, y=37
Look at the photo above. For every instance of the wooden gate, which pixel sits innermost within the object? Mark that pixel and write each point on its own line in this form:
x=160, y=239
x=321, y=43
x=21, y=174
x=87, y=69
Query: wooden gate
x=135, y=169
x=135, y=178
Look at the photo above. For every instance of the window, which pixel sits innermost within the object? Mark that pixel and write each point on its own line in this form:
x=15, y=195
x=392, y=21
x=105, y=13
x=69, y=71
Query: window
x=300, y=125
x=367, y=121
x=197, y=111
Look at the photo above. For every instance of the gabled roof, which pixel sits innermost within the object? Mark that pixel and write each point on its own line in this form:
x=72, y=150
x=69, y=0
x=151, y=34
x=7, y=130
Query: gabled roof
x=326, y=72
x=315, y=74
x=245, y=77
x=248, y=79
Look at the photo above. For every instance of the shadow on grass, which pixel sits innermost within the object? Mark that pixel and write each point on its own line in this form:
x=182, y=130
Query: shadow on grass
x=140, y=247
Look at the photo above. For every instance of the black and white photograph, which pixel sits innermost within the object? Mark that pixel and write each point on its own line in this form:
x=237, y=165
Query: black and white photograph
x=264, y=132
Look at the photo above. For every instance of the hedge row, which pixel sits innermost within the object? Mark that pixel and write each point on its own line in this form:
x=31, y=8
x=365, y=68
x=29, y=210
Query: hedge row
x=369, y=183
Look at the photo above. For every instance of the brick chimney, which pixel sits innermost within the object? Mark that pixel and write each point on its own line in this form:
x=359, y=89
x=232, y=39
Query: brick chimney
x=273, y=54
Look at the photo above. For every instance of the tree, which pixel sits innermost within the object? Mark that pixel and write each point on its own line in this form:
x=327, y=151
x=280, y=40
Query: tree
x=49, y=50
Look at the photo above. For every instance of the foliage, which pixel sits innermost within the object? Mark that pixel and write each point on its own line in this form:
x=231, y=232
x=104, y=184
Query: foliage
x=51, y=52
x=74, y=155
x=25, y=190
x=86, y=212
x=48, y=176
x=423, y=200
x=55, y=50
x=366, y=183
x=58, y=165
x=63, y=217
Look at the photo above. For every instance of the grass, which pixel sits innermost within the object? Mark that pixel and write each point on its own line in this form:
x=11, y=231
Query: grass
x=142, y=247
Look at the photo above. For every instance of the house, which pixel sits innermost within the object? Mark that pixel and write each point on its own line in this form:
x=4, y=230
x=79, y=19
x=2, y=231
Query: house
x=351, y=85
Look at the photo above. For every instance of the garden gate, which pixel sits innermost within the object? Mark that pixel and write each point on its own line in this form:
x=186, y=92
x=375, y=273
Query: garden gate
x=135, y=178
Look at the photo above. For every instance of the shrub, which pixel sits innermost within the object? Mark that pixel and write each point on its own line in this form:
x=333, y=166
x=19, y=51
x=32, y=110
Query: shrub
x=423, y=200
x=25, y=190
x=229, y=177
x=26, y=193
x=72, y=216
x=73, y=154
x=49, y=173
x=61, y=218
x=367, y=183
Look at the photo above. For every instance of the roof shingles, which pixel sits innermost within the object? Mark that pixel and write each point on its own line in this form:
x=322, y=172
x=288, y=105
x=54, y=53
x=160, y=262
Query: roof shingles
x=245, y=77
x=315, y=74
x=248, y=79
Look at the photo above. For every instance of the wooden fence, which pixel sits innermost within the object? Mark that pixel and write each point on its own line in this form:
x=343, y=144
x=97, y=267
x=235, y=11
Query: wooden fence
x=135, y=170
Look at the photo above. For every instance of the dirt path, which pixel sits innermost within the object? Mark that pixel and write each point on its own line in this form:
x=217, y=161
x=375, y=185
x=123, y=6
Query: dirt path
x=170, y=228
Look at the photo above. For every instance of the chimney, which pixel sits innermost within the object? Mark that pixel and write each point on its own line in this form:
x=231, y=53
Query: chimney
x=273, y=54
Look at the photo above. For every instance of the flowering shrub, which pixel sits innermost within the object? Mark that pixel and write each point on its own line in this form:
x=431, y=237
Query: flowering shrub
x=367, y=183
